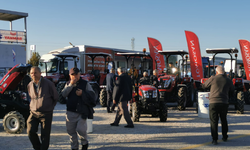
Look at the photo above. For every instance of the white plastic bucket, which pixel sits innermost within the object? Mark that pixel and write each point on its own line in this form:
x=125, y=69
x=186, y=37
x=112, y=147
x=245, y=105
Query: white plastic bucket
x=89, y=126
x=203, y=107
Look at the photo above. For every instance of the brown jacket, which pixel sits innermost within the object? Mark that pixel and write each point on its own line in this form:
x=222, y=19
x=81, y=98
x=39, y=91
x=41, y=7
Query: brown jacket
x=46, y=99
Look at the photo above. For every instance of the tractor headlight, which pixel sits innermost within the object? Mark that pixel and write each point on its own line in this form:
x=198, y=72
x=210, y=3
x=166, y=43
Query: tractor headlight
x=145, y=94
x=154, y=94
x=167, y=83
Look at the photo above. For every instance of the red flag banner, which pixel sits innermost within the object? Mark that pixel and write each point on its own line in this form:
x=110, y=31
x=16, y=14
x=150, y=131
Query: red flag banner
x=245, y=52
x=194, y=55
x=154, y=47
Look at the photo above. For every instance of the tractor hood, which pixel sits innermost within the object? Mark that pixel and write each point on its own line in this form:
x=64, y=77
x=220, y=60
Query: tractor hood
x=11, y=80
x=147, y=88
x=166, y=77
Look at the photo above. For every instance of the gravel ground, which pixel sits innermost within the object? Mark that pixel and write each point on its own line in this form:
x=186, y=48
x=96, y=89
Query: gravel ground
x=183, y=130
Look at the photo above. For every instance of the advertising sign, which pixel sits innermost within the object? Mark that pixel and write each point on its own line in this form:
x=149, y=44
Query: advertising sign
x=12, y=36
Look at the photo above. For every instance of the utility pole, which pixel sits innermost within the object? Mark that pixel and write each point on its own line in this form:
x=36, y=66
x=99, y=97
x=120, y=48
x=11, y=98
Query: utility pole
x=133, y=43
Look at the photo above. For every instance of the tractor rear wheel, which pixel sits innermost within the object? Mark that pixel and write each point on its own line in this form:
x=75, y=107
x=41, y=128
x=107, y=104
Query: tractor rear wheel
x=59, y=89
x=14, y=122
x=240, y=102
x=190, y=95
x=182, y=99
x=103, y=98
x=163, y=112
x=135, y=112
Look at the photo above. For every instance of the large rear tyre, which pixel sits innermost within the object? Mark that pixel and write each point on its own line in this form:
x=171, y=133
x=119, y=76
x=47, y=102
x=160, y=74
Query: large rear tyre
x=135, y=112
x=96, y=89
x=59, y=89
x=163, y=112
x=182, y=99
x=240, y=102
x=103, y=98
x=14, y=122
x=247, y=97
x=190, y=95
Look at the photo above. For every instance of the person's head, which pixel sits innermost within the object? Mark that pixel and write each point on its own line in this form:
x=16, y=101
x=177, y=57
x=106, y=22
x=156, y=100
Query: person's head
x=171, y=64
x=145, y=74
x=35, y=73
x=120, y=70
x=132, y=66
x=74, y=73
x=155, y=72
x=112, y=70
x=220, y=70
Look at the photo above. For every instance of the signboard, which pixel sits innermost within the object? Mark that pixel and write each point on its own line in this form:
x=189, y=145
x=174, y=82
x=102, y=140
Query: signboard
x=99, y=62
x=12, y=36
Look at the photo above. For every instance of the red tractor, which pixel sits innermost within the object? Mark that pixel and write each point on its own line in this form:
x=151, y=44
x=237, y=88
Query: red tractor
x=238, y=98
x=145, y=98
x=14, y=106
x=175, y=84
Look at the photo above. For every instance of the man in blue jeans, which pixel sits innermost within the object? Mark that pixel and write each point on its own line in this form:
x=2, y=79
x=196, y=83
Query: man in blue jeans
x=220, y=88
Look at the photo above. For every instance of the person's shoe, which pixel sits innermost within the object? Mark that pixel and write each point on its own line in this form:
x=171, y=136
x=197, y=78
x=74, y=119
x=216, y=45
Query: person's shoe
x=109, y=111
x=113, y=124
x=214, y=142
x=224, y=139
x=85, y=147
x=129, y=126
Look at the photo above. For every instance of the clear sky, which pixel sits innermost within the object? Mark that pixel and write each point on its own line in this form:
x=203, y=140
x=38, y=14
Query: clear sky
x=52, y=24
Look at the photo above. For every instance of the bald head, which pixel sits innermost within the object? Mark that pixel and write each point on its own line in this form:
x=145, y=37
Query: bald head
x=220, y=70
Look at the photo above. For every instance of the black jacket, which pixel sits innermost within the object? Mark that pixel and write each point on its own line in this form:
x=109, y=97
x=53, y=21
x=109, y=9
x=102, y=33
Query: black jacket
x=81, y=104
x=154, y=81
x=145, y=81
x=123, y=88
x=220, y=88
x=110, y=81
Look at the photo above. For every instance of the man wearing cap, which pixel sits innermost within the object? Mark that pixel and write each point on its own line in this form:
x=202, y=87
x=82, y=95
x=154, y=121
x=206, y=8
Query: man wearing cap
x=80, y=103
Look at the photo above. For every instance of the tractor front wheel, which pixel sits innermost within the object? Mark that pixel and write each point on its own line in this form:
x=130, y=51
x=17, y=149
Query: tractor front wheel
x=14, y=122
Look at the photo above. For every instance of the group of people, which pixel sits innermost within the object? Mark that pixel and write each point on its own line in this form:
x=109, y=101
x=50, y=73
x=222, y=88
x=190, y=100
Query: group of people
x=44, y=96
x=81, y=100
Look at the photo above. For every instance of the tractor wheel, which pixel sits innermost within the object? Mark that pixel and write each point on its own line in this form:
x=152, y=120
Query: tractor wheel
x=240, y=102
x=163, y=112
x=190, y=95
x=103, y=98
x=59, y=89
x=196, y=101
x=14, y=122
x=135, y=112
x=182, y=99
x=247, y=97
x=96, y=88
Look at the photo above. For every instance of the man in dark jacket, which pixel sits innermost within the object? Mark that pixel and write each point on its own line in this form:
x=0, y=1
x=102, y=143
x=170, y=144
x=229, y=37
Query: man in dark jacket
x=220, y=88
x=154, y=78
x=145, y=79
x=121, y=95
x=80, y=103
x=44, y=97
x=110, y=81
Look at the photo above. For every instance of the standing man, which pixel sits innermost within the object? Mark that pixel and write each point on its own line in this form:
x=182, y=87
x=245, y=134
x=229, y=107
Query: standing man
x=121, y=95
x=80, y=103
x=220, y=88
x=44, y=97
x=110, y=81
